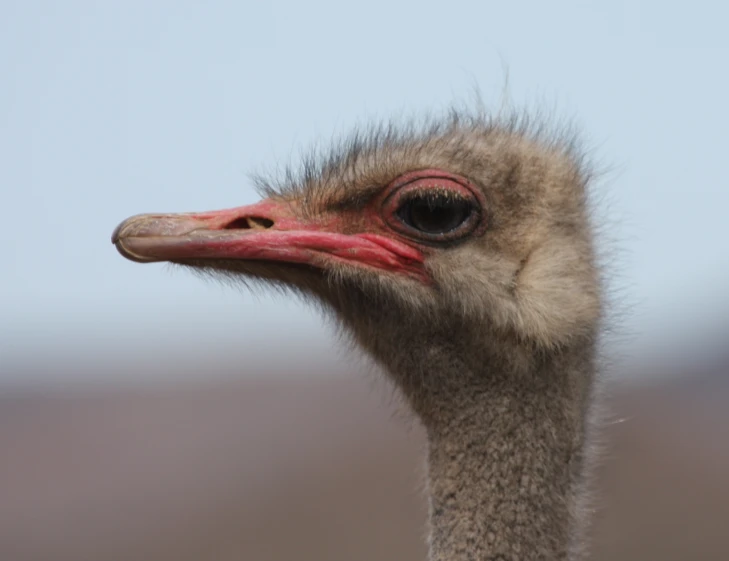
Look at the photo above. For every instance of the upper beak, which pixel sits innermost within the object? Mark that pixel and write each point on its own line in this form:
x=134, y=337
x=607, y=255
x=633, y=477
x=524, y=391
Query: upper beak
x=267, y=231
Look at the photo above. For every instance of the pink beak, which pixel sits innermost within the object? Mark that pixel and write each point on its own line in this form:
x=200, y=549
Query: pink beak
x=266, y=231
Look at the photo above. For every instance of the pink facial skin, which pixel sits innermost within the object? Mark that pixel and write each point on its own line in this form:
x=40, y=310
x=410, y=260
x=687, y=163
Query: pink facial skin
x=271, y=231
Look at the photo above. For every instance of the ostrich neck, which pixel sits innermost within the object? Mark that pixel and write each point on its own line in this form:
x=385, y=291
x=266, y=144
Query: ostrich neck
x=505, y=461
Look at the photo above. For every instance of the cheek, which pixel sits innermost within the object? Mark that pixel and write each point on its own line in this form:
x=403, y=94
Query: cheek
x=474, y=271
x=476, y=286
x=485, y=288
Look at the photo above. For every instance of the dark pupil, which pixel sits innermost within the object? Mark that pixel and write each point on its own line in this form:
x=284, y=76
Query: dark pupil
x=435, y=214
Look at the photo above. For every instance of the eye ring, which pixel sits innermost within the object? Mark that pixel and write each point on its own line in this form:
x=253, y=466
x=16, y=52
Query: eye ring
x=433, y=206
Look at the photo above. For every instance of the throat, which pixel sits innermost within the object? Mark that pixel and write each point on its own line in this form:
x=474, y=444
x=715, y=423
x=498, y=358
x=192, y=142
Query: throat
x=505, y=473
x=506, y=426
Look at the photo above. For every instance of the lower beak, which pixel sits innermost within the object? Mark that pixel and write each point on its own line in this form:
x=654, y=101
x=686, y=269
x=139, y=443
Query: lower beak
x=267, y=231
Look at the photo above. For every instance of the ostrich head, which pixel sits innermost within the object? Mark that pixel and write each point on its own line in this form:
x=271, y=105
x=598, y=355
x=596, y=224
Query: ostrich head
x=459, y=256
x=468, y=233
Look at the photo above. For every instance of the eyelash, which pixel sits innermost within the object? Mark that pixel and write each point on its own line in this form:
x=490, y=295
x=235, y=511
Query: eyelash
x=432, y=195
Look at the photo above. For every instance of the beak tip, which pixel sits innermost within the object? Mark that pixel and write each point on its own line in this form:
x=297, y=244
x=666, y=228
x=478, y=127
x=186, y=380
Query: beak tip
x=118, y=239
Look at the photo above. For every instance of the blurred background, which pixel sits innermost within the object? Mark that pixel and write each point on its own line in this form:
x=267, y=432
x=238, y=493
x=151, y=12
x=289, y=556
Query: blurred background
x=146, y=414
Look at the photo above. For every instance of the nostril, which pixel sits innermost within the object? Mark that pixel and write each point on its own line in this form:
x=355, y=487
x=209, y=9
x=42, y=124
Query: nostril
x=238, y=224
x=249, y=223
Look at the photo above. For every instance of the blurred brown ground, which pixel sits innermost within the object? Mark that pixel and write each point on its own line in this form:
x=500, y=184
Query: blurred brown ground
x=319, y=469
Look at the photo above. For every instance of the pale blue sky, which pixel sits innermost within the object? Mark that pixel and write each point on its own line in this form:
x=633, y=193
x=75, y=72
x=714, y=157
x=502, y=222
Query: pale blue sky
x=108, y=109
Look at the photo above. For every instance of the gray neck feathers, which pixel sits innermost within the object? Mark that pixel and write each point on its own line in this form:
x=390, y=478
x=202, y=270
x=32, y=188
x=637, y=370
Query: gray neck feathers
x=506, y=460
x=506, y=421
x=506, y=436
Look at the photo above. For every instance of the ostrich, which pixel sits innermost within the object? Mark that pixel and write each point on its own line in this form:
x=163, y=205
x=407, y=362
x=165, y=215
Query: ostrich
x=459, y=255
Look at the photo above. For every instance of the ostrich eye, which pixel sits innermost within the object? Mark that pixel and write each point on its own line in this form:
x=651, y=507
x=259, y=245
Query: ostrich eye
x=435, y=213
x=434, y=207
